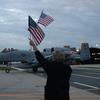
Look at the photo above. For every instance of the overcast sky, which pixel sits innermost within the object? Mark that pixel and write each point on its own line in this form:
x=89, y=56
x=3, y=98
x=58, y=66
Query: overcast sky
x=75, y=21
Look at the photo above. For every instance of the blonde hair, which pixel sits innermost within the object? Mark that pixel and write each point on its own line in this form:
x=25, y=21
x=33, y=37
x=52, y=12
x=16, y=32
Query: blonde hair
x=58, y=56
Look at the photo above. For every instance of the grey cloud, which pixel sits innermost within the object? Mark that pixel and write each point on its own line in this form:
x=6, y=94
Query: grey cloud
x=75, y=21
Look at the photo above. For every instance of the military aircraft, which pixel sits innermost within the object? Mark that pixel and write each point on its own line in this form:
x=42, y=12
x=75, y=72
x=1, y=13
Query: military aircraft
x=20, y=60
x=25, y=59
x=71, y=56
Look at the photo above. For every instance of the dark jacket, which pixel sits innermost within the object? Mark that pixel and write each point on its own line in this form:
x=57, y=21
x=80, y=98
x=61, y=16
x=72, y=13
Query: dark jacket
x=58, y=76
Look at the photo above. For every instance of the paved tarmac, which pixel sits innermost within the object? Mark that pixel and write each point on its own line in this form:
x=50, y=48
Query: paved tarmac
x=27, y=86
x=87, y=78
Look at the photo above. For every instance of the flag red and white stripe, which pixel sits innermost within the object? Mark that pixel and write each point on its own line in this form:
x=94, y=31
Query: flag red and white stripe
x=44, y=19
x=36, y=32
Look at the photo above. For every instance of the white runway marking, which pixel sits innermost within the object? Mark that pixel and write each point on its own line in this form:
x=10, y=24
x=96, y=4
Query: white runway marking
x=86, y=76
x=94, y=69
x=86, y=85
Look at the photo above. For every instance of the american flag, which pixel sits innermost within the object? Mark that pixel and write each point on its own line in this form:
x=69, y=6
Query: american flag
x=45, y=19
x=36, y=32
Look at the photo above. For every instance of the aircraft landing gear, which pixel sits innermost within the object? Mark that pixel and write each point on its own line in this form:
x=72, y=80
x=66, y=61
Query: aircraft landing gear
x=7, y=70
x=35, y=69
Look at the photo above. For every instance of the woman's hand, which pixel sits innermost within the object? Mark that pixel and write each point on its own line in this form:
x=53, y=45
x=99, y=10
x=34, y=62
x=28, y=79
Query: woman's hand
x=32, y=44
